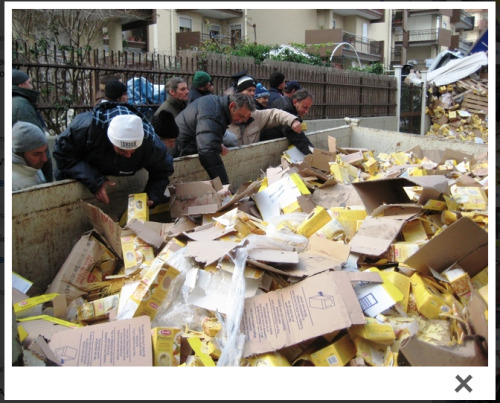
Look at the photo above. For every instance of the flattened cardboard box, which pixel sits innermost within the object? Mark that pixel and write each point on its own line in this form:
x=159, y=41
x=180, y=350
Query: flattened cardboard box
x=378, y=231
x=87, y=256
x=310, y=308
x=120, y=343
x=463, y=242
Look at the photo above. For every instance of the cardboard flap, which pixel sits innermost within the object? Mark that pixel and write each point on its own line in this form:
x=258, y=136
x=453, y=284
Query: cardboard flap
x=191, y=198
x=208, y=232
x=319, y=305
x=458, y=156
x=385, y=191
x=376, y=234
x=209, y=252
x=106, y=227
x=421, y=353
x=321, y=159
x=146, y=233
x=454, y=243
x=273, y=255
x=391, y=191
x=477, y=308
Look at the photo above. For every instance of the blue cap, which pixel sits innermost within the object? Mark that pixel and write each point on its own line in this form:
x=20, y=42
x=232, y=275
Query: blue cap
x=261, y=91
x=292, y=85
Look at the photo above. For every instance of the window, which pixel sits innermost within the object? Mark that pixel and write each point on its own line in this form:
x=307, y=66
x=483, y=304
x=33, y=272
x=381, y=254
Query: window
x=185, y=24
x=235, y=32
x=334, y=23
x=214, y=30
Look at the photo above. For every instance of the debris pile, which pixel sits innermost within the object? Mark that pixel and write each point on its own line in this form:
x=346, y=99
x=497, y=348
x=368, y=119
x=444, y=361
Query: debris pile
x=459, y=110
x=339, y=258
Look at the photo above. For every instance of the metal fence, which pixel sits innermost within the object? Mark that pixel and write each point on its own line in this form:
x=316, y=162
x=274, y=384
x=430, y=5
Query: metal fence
x=69, y=81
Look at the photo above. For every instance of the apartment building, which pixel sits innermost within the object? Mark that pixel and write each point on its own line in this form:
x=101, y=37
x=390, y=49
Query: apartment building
x=345, y=37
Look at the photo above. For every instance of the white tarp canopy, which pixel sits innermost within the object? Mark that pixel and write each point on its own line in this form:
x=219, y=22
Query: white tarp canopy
x=455, y=70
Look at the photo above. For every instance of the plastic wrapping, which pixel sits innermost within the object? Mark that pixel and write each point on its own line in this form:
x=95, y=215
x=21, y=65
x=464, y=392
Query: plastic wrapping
x=231, y=339
x=175, y=311
x=282, y=228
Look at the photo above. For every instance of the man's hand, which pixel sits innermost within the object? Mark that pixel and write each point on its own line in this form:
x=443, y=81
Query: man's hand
x=296, y=126
x=224, y=150
x=101, y=194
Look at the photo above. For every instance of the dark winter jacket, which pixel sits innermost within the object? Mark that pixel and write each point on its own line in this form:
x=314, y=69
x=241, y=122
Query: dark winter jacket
x=274, y=93
x=299, y=140
x=83, y=152
x=201, y=129
x=24, y=109
x=195, y=93
x=172, y=105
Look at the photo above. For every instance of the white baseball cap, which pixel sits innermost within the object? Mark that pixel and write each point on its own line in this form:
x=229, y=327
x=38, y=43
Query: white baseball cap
x=126, y=132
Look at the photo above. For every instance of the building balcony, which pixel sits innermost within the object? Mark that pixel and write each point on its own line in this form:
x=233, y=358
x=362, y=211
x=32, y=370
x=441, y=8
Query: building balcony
x=190, y=40
x=324, y=41
x=462, y=20
x=423, y=37
x=396, y=56
x=460, y=44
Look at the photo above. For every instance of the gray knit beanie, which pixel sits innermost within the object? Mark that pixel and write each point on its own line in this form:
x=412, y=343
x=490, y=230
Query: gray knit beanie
x=27, y=137
x=19, y=77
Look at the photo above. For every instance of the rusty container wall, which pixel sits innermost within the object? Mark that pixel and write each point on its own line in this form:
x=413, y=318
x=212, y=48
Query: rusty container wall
x=383, y=141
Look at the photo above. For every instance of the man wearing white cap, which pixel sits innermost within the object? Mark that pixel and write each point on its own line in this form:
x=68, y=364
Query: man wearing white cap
x=118, y=141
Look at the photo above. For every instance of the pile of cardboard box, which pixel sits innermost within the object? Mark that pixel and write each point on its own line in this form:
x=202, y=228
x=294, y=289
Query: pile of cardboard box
x=337, y=258
x=459, y=110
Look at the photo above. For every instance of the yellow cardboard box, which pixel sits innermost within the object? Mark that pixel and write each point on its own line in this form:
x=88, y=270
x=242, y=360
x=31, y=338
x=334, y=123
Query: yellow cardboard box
x=400, y=251
x=98, y=309
x=138, y=207
x=274, y=359
x=158, y=289
x=336, y=354
x=373, y=330
x=470, y=197
x=166, y=346
x=318, y=218
x=430, y=302
x=480, y=279
x=460, y=281
x=402, y=283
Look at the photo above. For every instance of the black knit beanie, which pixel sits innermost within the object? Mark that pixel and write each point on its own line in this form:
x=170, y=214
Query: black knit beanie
x=165, y=126
x=276, y=79
x=114, y=89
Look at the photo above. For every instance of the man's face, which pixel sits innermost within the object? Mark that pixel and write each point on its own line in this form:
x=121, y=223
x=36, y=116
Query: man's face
x=27, y=84
x=302, y=107
x=169, y=142
x=240, y=115
x=208, y=87
x=122, y=152
x=282, y=85
x=181, y=93
x=36, y=158
x=249, y=91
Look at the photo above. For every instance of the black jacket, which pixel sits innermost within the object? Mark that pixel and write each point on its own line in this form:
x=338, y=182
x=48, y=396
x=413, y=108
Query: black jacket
x=201, y=129
x=84, y=152
x=195, y=93
x=274, y=94
x=299, y=140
